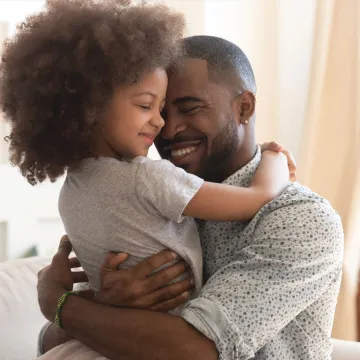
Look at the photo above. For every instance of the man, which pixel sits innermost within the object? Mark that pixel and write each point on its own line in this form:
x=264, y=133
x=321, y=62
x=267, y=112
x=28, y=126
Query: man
x=271, y=284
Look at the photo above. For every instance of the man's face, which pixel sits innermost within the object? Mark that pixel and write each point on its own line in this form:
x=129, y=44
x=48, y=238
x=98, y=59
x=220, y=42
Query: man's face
x=200, y=132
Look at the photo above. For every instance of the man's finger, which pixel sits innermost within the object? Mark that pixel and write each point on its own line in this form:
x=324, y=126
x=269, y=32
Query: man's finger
x=65, y=246
x=74, y=262
x=112, y=262
x=87, y=294
x=166, y=293
x=171, y=304
x=149, y=265
x=164, y=277
x=79, y=276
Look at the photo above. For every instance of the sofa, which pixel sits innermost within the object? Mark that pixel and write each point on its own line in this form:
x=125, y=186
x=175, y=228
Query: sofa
x=21, y=320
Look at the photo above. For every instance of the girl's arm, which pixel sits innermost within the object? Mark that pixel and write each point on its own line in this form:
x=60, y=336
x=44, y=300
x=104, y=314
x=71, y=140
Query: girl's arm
x=221, y=202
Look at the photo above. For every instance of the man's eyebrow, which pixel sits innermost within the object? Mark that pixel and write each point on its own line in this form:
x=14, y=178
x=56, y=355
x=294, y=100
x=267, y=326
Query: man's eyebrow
x=185, y=99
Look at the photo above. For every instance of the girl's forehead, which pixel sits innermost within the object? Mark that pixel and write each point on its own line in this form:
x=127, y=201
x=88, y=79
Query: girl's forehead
x=151, y=83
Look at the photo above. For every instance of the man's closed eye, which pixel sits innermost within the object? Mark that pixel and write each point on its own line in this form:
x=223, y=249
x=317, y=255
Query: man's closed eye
x=190, y=111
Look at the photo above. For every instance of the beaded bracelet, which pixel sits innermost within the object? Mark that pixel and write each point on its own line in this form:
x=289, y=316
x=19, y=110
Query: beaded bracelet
x=60, y=304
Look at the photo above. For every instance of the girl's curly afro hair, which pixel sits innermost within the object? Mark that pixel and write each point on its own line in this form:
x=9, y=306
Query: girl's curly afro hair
x=60, y=70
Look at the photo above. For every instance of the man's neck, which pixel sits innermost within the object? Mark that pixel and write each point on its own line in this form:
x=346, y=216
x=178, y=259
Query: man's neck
x=243, y=152
x=240, y=158
x=228, y=163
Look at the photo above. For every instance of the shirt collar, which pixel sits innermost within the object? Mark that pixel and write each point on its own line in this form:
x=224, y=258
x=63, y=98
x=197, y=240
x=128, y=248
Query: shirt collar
x=244, y=176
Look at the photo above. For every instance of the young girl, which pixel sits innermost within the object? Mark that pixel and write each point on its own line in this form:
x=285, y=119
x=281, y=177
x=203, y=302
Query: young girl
x=83, y=85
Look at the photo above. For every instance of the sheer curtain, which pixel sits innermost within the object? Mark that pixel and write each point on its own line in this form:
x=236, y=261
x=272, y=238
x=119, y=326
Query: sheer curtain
x=330, y=161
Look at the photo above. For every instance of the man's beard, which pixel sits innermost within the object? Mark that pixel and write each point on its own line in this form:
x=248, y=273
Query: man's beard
x=215, y=167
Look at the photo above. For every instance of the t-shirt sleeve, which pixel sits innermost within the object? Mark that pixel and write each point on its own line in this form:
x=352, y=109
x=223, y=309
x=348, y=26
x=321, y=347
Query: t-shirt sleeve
x=164, y=187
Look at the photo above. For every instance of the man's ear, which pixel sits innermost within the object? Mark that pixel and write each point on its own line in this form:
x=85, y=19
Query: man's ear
x=244, y=107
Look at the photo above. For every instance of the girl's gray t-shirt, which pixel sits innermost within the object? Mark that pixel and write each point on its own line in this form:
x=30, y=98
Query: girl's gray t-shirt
x=134, y=207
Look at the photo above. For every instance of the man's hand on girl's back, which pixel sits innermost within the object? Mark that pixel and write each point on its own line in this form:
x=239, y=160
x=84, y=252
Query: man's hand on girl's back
x=142, y=286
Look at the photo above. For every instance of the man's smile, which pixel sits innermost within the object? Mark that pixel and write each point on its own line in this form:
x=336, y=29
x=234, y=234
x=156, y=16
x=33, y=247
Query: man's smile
x=184, y=152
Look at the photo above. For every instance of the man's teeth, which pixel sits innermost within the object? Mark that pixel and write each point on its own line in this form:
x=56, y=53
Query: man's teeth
x=184, y=151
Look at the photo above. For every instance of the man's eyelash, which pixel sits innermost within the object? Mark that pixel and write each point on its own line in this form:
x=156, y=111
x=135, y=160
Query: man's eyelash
x=192, y=109
x=145, y=107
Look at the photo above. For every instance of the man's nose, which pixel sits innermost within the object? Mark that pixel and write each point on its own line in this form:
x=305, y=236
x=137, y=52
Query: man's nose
x=172, y=127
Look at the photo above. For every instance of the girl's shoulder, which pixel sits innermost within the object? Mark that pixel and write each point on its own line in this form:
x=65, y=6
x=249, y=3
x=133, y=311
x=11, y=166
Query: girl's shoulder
x=148, y=163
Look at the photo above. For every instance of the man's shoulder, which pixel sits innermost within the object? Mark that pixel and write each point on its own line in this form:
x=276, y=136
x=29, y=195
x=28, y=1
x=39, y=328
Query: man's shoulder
x=297, y=195
x=303, y=215
x=300, y=205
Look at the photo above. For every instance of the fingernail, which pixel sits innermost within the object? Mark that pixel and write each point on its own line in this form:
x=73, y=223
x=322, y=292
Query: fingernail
x=185, y=294
x=174, y=254
x=65, y=238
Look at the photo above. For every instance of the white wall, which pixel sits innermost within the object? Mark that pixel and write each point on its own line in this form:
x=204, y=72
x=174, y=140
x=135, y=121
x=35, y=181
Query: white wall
x=26, y=212
x=4, y=130
x=14, y=11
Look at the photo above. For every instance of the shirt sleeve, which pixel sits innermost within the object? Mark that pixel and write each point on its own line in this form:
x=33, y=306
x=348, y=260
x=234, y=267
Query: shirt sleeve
x=294, y=257
x=161, y=186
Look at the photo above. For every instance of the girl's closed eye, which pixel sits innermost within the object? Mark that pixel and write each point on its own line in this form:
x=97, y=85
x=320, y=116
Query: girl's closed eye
x=145, y=107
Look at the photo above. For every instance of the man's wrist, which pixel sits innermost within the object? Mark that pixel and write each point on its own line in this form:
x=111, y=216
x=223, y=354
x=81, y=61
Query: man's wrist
x=73, y=306
x=60, y=304
x=48, y=304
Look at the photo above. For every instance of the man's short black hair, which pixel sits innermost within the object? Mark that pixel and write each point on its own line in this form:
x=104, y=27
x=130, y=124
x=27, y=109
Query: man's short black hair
x=226, y=61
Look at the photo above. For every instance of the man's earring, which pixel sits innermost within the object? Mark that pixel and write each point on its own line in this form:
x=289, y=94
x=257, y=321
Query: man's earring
x=246, y=122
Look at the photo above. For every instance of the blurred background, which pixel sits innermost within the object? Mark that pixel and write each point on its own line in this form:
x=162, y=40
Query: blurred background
x=306, y=59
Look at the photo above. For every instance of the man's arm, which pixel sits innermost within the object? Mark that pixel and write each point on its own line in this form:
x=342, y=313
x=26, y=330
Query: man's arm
x=51, y=337
x=134, y=334
x=120, y=333
x=294, y=257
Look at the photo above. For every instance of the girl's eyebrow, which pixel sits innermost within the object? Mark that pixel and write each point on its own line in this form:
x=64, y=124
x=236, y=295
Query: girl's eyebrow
x=146, y=93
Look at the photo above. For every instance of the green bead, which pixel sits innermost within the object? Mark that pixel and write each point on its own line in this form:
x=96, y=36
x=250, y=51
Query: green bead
x=61, y=301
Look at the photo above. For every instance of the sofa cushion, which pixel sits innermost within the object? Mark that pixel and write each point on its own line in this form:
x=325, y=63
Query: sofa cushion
x=345, y=350
x=20, y=316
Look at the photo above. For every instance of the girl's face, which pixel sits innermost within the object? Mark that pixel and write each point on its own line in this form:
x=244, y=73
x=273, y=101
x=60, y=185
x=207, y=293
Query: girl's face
x=133, y=118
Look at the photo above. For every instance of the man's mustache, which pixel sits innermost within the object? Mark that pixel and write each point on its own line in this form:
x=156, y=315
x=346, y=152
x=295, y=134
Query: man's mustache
x=162, y=143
